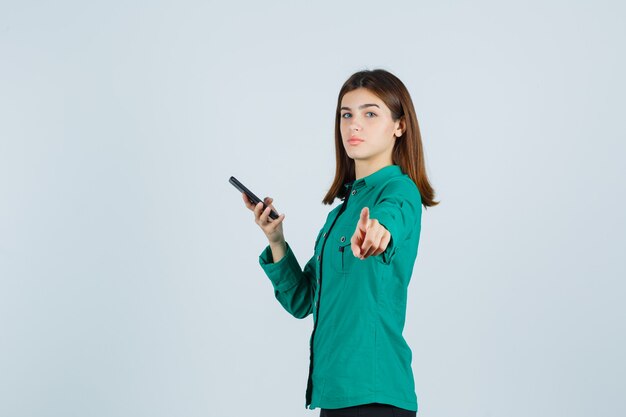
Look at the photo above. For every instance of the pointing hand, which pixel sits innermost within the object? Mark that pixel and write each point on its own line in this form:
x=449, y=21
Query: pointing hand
x=370, y=237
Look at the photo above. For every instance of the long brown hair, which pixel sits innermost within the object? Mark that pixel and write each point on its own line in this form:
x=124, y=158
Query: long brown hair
x=408, y=152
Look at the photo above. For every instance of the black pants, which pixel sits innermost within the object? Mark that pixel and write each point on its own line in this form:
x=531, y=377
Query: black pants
x=368, y=410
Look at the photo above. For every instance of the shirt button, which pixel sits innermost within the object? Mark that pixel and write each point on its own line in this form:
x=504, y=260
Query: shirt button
x=324, y=234
x=343, y=238
x=318, y=257
x=353, y=192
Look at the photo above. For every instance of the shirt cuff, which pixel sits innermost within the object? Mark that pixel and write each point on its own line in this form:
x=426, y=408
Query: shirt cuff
x=283, y=274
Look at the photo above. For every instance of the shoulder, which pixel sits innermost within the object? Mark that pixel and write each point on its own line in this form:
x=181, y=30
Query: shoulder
x=331, y=215
x=403, y=188
x=333, y=211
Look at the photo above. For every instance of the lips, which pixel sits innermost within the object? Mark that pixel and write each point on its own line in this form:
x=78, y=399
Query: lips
x=353, y=141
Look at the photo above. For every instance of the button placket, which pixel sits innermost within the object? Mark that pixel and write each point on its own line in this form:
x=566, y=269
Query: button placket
x=316, y=313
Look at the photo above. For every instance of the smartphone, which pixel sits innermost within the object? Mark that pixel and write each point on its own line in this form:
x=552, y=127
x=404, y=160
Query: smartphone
x=256, y=200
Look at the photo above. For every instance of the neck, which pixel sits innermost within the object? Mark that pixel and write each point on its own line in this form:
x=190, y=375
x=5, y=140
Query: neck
x=363, y=168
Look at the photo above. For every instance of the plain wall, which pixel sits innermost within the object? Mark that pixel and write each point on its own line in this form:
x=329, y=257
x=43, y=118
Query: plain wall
x=129, y=275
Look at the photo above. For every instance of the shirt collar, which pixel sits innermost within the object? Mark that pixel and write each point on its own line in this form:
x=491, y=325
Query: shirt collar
x=376, y=178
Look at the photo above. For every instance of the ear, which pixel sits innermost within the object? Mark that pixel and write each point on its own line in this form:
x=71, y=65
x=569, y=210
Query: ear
x=400, y=127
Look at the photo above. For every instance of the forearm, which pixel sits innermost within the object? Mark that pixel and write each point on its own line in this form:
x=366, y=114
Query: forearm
x=278, y=250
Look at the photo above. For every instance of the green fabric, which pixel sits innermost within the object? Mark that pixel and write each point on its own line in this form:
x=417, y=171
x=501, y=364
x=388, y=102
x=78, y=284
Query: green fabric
x=358, y=352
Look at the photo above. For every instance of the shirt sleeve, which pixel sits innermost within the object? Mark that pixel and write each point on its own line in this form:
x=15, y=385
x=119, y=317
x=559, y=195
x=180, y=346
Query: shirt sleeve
x=399, y=210
x=293, y=287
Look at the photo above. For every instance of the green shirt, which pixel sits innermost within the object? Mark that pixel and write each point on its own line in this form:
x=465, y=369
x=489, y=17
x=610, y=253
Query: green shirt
x=358, y=354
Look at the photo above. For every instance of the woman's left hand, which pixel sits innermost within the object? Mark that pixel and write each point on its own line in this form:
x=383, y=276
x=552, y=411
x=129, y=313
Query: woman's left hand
x=370, y=237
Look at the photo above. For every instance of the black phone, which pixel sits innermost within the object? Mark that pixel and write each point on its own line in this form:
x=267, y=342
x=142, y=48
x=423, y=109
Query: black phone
x=256, y=200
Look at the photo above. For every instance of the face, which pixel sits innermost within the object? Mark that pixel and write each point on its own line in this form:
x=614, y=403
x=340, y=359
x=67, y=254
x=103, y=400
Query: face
x=366, y=117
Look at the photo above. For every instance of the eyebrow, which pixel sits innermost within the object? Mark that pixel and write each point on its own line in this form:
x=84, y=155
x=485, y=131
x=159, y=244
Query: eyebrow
x=362, y=106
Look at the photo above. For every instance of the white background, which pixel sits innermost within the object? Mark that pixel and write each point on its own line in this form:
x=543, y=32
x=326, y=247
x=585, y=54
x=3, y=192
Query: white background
x=129, y=275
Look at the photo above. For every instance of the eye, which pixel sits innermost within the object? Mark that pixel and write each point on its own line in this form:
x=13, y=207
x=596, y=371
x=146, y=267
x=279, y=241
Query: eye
x=343, y=115
x=370, y=112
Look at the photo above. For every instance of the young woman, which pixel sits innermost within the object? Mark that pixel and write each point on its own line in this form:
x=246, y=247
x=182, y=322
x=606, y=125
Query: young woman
x=355, y=284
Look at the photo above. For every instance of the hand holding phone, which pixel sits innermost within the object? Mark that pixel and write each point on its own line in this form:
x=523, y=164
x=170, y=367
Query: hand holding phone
x=251, y=196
